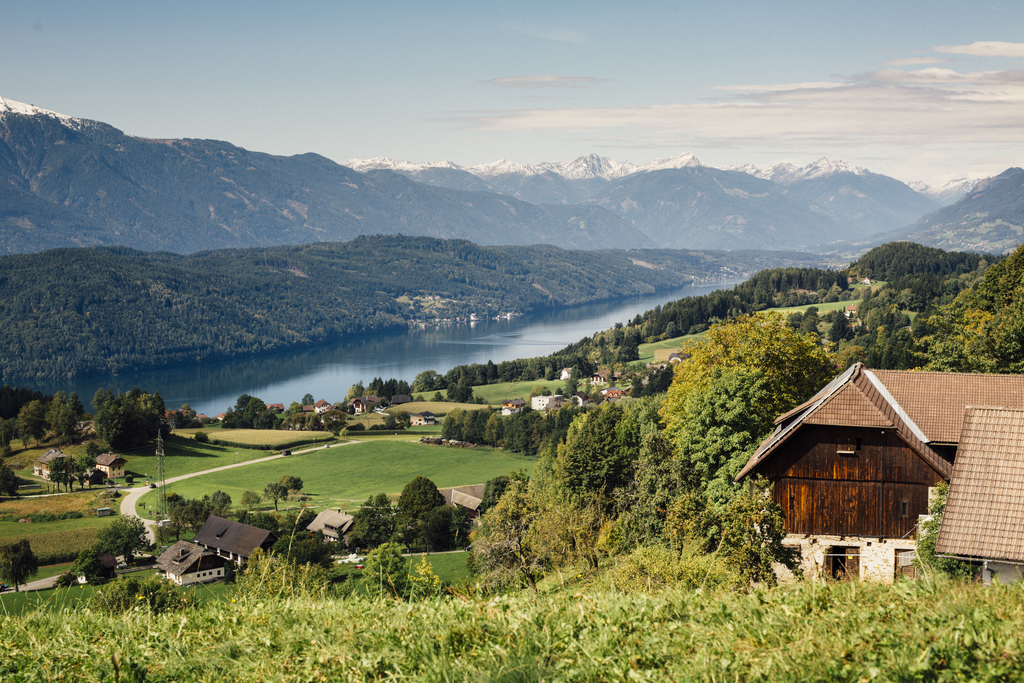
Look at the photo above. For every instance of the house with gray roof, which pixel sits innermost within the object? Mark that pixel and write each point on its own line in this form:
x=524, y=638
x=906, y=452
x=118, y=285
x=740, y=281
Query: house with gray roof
x=233, y=540
x=186, y=563
x=333, y=524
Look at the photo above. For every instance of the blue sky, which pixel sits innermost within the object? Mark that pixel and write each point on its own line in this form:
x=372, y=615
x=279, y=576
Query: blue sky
x=918, y=90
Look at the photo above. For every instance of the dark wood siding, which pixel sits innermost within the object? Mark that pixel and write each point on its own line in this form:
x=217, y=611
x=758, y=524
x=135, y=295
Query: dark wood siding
x=849, y=481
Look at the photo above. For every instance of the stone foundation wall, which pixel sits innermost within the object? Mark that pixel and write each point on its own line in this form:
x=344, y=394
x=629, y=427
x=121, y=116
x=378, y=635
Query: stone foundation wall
x=876, y=558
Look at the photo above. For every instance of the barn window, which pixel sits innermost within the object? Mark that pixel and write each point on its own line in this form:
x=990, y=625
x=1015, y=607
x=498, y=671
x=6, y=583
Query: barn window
x=903, y=508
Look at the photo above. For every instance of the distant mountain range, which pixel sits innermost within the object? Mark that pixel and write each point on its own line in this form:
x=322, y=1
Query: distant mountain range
x=989, y=218
x=66, y=181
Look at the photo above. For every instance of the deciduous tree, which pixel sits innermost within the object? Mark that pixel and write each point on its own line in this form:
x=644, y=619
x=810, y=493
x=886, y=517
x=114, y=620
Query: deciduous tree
x=125, y=536
x=17, y=562
x=275, y=491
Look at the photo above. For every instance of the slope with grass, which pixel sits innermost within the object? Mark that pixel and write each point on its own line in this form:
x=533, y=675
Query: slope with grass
x=806, y=633
x=354, y=472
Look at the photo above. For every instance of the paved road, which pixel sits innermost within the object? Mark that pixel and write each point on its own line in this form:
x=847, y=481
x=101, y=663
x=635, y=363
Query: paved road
x=131, y=496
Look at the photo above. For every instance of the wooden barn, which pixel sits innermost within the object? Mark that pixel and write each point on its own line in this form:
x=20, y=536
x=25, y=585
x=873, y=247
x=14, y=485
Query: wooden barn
x=852, y=467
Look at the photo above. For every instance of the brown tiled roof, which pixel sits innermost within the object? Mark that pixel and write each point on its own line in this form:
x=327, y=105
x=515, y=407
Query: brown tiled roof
x=230, y=536
x=108, y=459
x=984, y=515
x=935, y=401
x=855, y=398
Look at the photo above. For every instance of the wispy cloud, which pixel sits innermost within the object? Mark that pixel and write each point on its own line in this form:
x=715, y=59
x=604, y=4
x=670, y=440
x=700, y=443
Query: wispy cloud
x=561, y=36
x=548, y=81
x=780, y=87
x=914, y=61
x=889, y=107
x=984, y=48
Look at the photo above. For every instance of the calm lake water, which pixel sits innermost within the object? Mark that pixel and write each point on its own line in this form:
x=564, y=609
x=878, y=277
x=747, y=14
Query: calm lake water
x=329, y=370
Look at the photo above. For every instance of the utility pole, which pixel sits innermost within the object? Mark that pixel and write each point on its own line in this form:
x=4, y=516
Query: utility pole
x=160, y=473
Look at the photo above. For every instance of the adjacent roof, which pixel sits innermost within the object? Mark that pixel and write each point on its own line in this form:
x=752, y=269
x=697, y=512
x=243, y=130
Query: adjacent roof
x=234, y=537
x=468, y=497
x=108, y=459
x=984, y=515
x=936, y=400
x=856, y=398
x=332, y=523
x=181, y=557
x=51, y=455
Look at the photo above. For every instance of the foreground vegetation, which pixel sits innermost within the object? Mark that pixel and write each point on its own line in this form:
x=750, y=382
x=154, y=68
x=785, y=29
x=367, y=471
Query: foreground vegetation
x=808, y=632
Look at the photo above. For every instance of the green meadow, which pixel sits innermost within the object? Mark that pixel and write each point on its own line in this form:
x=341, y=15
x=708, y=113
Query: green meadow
x=342, y=474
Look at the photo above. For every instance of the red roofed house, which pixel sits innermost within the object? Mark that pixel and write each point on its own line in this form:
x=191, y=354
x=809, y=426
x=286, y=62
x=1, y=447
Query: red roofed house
x=852, y=467
x=322, y=406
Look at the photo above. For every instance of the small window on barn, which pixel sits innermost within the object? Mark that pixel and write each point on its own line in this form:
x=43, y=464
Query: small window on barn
x=904, y=508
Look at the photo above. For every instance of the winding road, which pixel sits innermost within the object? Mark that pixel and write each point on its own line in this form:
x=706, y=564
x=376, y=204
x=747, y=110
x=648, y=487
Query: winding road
x=132, y=496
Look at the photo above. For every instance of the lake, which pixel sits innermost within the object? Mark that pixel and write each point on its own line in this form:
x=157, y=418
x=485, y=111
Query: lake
x=329, y=370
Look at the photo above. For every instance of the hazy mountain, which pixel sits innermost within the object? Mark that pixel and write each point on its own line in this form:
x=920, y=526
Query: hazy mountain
x=705, y=207
x=73, y=182
x=946, y=194
x=989, y=218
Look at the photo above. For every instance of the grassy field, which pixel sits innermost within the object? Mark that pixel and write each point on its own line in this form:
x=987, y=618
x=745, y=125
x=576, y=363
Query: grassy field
x=259, y=437
x=435, y=407
x=185, y=455
x=822, y=308
x=494, y=394
x=336, y=477
x=658, y=352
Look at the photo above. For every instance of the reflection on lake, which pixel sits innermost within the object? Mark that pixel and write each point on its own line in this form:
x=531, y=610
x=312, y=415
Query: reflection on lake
x=329, y=370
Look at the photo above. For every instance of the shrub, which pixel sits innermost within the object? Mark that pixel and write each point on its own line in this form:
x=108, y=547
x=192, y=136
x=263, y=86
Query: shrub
x=134, y=594
x=65, y=580
x=655, y=568
x=201, y=437
x=270, y=575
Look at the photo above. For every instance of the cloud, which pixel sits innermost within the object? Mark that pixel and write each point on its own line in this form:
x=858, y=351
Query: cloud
x=915, y=61
x=574, y=37
x=780, y=87
x=548, y=81
x=985, y=48
x=894, y=108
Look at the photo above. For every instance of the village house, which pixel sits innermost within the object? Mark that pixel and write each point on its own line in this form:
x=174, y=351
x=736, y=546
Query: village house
x=364, y=404
x=233, y=540
x=565, y=374
x=276, y=408
x=983, y=521
x=333, y=524
x=852, y=467
x=512, y=406
x=422, y=419
x=42, y=466
x=322, y=406
x=468, y=498
x=186, y=563
x=580, y=399
x=599, y=377
x=612, y=394
x=546, y=402
x=112, y=466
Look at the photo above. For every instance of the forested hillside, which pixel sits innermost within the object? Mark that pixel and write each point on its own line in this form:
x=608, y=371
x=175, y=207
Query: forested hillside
x=68, y=313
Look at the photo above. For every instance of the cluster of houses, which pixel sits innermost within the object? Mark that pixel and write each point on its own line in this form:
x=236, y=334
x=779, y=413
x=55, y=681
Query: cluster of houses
x=854, y=469
x=222, y=541
x=108, y=466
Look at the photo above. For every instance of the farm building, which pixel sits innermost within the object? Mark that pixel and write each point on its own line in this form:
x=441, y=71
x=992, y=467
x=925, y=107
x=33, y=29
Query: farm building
x=233, y=540
x=333, y=524
x=186, y=563
x=852, y=467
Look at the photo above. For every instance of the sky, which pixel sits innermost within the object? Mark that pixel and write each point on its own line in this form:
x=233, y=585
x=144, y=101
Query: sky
x=918, y=90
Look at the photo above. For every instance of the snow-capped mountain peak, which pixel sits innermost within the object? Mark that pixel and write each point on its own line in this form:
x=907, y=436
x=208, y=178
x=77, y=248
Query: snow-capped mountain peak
x=592, y=166
x=684, y=160
x=826, y=167
x=11, y=107
x=364, y=165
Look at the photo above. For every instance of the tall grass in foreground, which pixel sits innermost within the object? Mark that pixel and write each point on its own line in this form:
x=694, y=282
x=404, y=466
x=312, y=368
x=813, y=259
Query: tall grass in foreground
x=840, y=632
